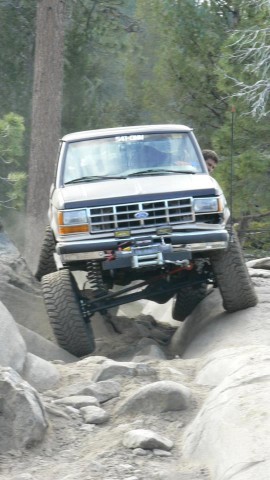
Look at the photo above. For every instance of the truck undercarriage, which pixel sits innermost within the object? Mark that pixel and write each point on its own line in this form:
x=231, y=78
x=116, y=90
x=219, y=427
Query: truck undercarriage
x=158, y=288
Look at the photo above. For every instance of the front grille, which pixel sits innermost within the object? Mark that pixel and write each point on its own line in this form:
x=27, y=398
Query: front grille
x=151, y=214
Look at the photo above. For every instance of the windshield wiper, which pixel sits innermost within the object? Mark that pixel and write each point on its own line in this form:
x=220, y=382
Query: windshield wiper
x=93, y=178
x=151, y=171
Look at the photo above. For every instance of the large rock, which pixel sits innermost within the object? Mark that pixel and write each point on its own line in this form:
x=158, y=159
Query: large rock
x=146, y=439
x=102, y=391
x=44, y=348
x=231, y=432
x=95, y=415
x=78, y=401
x=161, y=312
x=13, y=353
x=12, y=346
x=27, y=309
x=148, y=349
x=158, y=397
x=260, y=263
x=210, y=328
x=222, y=363
x=20, y=292
x=22, y=419
x=110, y=369
x=41, y=374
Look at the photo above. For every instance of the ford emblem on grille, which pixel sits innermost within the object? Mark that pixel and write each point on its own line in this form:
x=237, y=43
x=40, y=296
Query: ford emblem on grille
x=141, y=214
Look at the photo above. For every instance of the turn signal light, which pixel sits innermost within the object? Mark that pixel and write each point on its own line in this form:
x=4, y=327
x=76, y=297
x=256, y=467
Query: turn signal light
x=65, y=229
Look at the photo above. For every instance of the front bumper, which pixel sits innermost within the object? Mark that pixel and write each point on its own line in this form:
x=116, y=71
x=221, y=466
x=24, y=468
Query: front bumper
x=172, y=247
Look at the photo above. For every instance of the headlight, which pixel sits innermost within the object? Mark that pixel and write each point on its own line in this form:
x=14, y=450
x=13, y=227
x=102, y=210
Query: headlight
x=72, y=221
x=74, y=217
x=206, y=205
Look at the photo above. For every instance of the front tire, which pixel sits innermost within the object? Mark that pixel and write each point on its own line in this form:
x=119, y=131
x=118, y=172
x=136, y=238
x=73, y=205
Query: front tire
x=232, y=277
x=187, y=299
x=46, y=262
x=61, y=297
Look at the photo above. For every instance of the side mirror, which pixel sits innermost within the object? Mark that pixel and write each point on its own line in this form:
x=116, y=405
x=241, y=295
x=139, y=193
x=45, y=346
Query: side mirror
x=52, y=189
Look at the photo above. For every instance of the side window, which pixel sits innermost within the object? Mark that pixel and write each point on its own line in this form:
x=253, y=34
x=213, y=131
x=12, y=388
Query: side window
x=189, y=154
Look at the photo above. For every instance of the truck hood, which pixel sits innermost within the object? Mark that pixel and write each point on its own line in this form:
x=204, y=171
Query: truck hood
x=137, y=189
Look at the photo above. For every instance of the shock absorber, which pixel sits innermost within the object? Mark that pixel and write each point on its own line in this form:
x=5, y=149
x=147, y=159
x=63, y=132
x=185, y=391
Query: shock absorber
x=94, y=277
x=97, y=286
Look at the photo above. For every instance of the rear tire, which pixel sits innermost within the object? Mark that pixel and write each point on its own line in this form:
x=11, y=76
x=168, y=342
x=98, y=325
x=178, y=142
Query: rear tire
x=232, y=277
x=62, y=301
x=187, y=299
x=46, y=262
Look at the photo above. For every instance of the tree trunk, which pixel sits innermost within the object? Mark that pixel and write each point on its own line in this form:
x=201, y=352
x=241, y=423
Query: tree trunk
x=46, y=120
x=244, y=224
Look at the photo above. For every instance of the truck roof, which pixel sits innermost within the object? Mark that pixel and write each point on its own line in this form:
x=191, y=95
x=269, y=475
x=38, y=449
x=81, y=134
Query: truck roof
x=107, y=132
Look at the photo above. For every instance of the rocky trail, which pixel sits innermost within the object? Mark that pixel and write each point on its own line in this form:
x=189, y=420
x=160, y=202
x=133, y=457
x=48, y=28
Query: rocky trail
x=157, y=400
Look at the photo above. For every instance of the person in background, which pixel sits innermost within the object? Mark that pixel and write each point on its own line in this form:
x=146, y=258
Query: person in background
x=211, y=159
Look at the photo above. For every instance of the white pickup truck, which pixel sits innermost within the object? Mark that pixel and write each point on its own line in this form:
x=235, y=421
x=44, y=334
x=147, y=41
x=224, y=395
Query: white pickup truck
x=135, y=206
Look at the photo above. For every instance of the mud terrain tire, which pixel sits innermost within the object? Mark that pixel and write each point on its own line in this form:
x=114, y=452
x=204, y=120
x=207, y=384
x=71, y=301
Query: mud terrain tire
x=61, y=297
x=232, y=277
x=186, y=300
x=46, y=262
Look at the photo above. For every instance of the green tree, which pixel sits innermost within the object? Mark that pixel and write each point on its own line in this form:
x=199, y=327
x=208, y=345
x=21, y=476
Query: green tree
x=244, y=172
x=239, y=70
x=175, y=52
x=16, y=56
x=12, y=179
x=95, y=37
x=247, y=53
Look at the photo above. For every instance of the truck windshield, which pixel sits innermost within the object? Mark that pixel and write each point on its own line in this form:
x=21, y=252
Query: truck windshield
x=130, y=154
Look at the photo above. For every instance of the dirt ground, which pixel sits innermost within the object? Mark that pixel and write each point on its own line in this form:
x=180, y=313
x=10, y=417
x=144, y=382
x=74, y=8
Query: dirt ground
x=75, y=450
